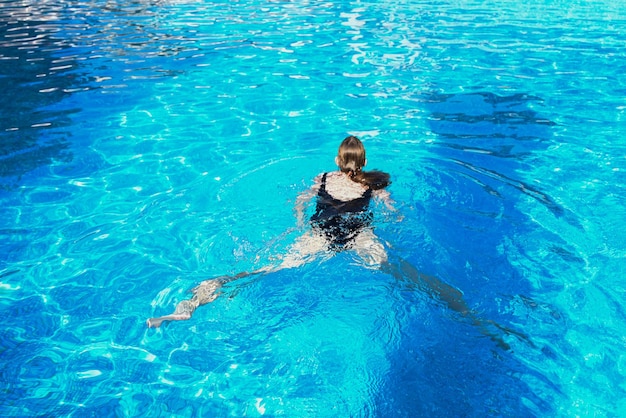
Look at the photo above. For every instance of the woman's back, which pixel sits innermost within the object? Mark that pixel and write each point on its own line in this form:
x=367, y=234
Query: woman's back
x=339, y=186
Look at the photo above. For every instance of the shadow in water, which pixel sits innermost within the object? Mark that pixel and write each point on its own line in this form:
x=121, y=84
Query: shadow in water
x=480, y=184
x=474, y=192
x=492, y=138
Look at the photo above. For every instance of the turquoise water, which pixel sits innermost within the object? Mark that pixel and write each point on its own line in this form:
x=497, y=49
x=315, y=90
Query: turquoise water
x=146, y=146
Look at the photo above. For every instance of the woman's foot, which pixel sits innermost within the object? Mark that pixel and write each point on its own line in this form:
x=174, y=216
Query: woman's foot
x=156, y=322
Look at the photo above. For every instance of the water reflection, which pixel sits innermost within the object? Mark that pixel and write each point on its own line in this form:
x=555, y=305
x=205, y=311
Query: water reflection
x=54, y=50
x=33, y=79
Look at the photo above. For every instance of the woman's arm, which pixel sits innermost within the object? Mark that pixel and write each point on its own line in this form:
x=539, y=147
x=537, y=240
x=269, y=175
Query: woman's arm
x=304, y=198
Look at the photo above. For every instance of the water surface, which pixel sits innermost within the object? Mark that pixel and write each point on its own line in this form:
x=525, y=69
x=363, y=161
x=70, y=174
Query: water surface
x=146, y=146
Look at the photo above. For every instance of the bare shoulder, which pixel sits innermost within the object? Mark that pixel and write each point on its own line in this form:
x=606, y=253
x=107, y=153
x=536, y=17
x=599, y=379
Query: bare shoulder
x=318, y=179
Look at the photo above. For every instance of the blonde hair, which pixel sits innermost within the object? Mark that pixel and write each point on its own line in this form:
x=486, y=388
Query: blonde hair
x=351, y=160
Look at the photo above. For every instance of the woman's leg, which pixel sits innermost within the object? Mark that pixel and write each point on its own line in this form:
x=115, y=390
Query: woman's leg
x=373, y=253
x=302, y=251
x=369, y=248
x=450, y=295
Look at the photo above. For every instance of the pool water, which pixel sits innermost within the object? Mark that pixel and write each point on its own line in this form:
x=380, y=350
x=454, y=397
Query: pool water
x=146, y=146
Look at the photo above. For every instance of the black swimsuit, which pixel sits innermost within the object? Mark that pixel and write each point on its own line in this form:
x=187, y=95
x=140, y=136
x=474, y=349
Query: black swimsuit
x=341, y=221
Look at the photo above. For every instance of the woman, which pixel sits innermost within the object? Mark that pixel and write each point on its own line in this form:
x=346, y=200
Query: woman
x=342, y=221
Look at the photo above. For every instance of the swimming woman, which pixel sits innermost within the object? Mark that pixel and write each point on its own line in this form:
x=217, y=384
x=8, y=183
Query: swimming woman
x=342, y=221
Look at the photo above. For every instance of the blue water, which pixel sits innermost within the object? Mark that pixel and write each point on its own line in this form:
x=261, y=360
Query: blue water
x=146, y=146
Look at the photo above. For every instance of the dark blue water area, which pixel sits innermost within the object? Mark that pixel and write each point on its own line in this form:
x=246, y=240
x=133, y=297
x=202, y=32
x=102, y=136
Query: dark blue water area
x=485, y=142
x=47, y=60
x=455, y=375
x=468, y=187
x=30, y=90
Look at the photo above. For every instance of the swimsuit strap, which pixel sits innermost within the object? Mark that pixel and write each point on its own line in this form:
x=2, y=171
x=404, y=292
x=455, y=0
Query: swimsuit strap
x=323, y=187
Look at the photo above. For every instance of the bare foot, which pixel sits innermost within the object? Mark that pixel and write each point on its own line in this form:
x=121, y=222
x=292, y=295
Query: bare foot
x=154, y=322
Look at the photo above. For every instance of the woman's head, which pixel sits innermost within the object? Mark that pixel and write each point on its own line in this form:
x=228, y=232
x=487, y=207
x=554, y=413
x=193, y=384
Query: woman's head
x=351, y=160
x=351, y=155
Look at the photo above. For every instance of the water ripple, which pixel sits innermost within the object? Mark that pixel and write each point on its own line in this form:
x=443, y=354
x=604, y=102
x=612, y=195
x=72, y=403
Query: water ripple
x=145, y=146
